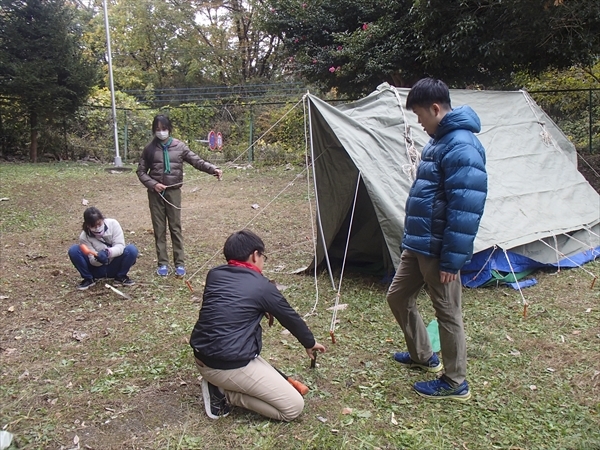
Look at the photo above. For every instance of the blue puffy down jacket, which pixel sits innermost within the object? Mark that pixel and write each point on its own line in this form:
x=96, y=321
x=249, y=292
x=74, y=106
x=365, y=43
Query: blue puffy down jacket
x=446, y=200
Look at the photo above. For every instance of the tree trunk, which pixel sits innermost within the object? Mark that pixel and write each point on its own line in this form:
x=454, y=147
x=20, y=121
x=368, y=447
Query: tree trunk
x=33, y=122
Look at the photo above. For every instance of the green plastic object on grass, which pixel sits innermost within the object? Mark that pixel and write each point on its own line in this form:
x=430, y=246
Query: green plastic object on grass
x=434, y=335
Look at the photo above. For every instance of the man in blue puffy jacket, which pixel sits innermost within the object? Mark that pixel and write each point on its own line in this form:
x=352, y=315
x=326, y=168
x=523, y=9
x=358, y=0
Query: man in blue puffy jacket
x=443, y=211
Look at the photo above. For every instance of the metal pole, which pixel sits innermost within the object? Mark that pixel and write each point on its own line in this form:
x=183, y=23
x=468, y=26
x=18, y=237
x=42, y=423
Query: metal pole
x=251, y=149
x=118, y=162
x=125, y=135
x=590, y=122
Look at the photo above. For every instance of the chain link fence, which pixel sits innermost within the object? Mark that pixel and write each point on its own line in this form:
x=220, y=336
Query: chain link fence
x=271, y=120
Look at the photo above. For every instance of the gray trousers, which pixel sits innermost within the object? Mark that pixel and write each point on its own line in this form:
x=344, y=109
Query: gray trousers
x=162, y=214
x=416, y=271
x=257, y=387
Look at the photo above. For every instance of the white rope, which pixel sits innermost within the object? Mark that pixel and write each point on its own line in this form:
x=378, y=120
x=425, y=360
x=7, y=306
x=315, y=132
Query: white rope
x=240, y=155
x=412, y=154
x=485, y=264
x=270, y=128
x=566, y=257
x=338, y=295
x=557, y=252
x=291, y=183
x=545, y=135
x=525, y=303
x=318, y=209
x=312, y=220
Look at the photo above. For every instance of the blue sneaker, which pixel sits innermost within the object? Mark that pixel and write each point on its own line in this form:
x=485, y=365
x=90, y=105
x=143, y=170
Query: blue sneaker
x=162, y=271
x=433, y=365
x=180, y=271
x=440, y=389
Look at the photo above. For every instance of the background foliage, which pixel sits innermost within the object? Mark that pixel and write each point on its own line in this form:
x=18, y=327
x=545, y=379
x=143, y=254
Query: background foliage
x=165, y=51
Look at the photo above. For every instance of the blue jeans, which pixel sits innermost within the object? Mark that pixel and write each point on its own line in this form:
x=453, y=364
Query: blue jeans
x=117, y=268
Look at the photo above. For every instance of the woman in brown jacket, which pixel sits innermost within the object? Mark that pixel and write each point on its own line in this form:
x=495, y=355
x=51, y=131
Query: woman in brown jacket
x=160, y=169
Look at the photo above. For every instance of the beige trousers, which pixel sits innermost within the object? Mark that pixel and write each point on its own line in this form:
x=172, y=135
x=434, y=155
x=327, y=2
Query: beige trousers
x=415, y=272
x=257, y=387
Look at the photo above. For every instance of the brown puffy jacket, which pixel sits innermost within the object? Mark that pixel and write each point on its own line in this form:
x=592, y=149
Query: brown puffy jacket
x=150, y=169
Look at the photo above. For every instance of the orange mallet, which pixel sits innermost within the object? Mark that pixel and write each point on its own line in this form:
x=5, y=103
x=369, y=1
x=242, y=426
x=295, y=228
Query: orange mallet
x=86, y=250
x=300, y=387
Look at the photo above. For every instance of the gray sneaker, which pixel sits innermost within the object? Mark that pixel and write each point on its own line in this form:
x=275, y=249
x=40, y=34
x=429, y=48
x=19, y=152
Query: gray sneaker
x=85, y=284
x=125, y=281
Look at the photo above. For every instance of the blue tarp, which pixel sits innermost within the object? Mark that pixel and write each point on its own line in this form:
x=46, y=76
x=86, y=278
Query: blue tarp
x=485, y=265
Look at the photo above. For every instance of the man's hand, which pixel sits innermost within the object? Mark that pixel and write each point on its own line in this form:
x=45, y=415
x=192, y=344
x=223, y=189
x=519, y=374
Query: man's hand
x=318, y=347
x=159, y=188
x=446, y=277
x=218, y=173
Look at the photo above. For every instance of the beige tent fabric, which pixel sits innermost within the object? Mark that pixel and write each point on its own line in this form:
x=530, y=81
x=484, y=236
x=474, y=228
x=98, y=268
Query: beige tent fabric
x=535, y=189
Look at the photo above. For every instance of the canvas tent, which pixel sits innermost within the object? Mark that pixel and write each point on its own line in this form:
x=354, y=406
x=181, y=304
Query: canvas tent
x=540, y=210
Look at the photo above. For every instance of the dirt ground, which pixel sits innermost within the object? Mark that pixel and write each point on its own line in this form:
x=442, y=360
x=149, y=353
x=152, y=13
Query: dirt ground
x=46, y=321
x=67, y=343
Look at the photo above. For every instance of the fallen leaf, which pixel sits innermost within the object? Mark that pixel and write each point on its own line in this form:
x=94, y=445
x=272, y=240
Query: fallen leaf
x=79, y=335
x=347, y=411
x=321, y=419
x=576, y=332
x=550, y=369
x=515, y=352
x=393, y=420
x=509, y=338
x=76, y=440
x=4, y=199
x=85, y=202
x=11, y=309
x=108, y=371
x=589, y=310
x=334, y=431
x=255, y=206
x=8, y=351
x=24, y=375
x=3, y=297
x=533, y=387
x=338, y=307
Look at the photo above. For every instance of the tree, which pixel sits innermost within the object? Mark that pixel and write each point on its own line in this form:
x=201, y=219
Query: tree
x=352, y=45
x=184, y=43
x=43, y=69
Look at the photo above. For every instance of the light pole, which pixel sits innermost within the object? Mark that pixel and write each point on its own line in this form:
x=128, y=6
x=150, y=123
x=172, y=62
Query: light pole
x=118, y=162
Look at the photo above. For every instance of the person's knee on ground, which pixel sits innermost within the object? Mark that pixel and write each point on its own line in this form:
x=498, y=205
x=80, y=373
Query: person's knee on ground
x=296, y=408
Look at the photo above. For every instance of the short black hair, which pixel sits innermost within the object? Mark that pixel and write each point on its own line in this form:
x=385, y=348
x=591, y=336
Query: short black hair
x=426, y=92
x=164, y=121
x=91, y=216
x=241, y=244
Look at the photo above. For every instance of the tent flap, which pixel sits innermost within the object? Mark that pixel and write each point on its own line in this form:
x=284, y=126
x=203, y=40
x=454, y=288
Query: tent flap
x=539, y=209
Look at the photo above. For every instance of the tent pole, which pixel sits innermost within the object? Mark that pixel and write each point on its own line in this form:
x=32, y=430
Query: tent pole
x=319, y=221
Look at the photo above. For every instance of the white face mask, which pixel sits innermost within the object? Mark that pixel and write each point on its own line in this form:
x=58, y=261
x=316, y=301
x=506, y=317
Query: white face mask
x=98, y=231
x=162, y=135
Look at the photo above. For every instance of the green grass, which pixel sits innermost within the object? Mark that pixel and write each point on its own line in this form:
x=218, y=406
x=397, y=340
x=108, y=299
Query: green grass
x=132, y=384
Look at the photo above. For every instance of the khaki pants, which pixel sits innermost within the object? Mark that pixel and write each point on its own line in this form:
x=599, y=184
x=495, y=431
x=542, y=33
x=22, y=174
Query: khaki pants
x=163, y=213
x=257, y=387
x=416, y=271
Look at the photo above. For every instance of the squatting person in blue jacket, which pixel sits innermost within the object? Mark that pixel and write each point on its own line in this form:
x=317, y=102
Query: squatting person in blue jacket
x=443, y=211
x=227, y=338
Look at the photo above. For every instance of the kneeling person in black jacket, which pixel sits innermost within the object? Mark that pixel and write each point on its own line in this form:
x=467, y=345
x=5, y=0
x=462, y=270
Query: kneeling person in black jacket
x=227, y=338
